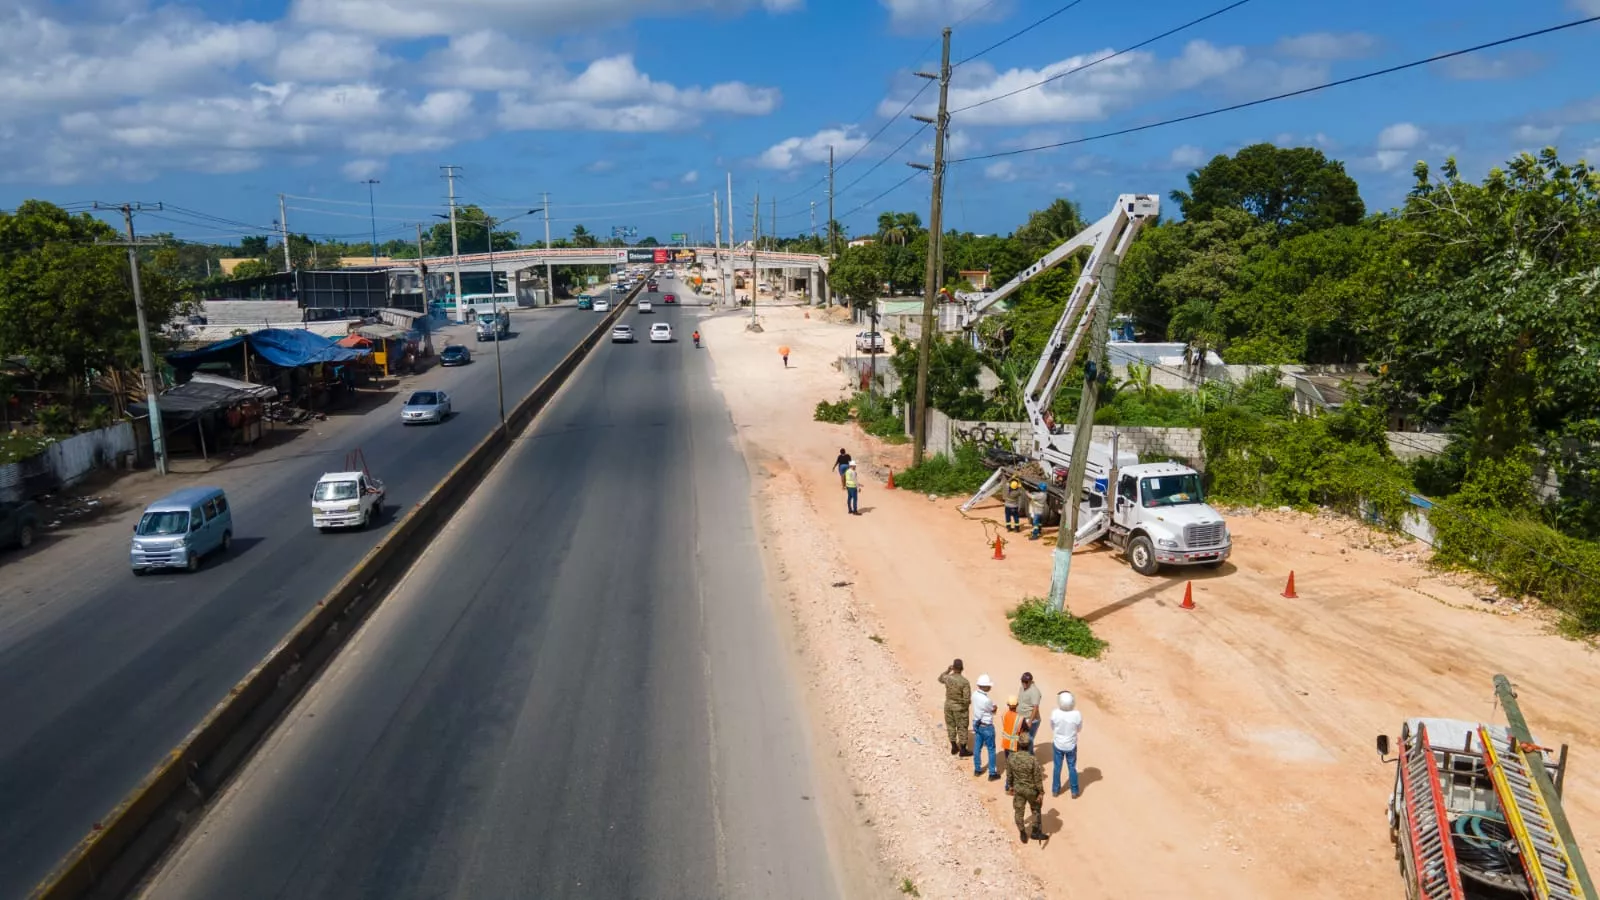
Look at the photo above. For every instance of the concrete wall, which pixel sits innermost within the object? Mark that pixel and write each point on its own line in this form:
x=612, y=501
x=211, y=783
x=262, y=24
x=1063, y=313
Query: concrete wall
x=1182, y=444
x=67, y=462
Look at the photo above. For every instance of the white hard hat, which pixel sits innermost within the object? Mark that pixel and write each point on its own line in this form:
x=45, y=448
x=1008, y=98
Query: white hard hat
x=1065, y=701
x=983, y=681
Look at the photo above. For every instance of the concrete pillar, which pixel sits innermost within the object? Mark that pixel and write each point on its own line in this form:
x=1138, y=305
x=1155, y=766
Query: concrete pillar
x=811, y=286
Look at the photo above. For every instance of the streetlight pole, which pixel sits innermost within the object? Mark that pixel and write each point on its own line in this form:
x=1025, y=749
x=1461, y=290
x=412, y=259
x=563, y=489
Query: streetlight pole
x=489, y=222
x=549, y=277
x=372, y=212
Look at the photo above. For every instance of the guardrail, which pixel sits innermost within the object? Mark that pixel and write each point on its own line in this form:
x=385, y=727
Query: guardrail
x=122, y=847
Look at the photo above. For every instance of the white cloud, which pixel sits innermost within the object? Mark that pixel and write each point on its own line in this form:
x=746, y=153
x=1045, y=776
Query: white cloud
x=1395, y=143
x=431, y=18
x=920, y=14
x=612, y=95
x=689, y=177
x=600, y=166
x=1536, y=134
x=791, y=152
x=361, y=169
x=1587, y=7
x=1004, y=170
x=1491, y=68
x=1187, y=156
x=1327, y=45
x=325, y=56
x=1092, y=94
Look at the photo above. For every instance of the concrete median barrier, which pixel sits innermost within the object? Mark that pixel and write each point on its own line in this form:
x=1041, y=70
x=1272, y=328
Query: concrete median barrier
x=120, y=848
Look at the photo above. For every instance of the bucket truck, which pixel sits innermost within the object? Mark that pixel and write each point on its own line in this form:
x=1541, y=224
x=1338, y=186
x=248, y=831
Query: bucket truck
x=1154, y=513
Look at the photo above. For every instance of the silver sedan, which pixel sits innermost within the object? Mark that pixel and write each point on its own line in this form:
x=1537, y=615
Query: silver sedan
x=425, y=406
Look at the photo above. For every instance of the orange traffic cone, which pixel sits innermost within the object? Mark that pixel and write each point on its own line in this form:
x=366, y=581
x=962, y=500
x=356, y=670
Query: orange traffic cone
x=999, y=542
x=890, y=485
x=1288, y=590
x=1188, y=596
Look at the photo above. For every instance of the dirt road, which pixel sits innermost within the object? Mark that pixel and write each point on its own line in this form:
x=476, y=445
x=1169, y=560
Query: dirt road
x=1227, y=751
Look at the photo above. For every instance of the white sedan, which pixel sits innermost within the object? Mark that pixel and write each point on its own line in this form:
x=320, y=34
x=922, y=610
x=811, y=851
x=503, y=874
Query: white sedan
x=661, y=333
x=601, y=305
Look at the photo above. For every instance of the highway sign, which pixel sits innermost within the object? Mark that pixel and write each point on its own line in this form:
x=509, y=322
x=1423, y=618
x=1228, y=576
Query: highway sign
x=679, y=237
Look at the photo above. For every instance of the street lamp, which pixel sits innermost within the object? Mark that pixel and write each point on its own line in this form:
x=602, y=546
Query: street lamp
x=499, y=373
x=372, y=211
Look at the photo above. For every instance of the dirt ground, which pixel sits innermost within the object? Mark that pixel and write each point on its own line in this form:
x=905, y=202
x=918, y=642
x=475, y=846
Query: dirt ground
x=1227, y=750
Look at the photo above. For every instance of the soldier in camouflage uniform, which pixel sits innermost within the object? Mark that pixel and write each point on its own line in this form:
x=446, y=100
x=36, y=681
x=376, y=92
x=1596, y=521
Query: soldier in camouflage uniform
x=1027, y=789
x=957, y=700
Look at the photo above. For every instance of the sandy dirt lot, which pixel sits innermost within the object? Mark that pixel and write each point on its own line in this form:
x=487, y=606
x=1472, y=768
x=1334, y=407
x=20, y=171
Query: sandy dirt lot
x=1227, y=750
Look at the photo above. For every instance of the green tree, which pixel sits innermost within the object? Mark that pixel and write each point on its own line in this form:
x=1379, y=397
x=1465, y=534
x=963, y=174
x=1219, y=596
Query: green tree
x=953, y=369
x=1049, y=228
x=1495, y=300
x=252, y=268
x=649, y=242
x=1293, y=189
x=471, y=234
x=857, y=275
x=66, y=305
x=1178, y=275
x=253, y=246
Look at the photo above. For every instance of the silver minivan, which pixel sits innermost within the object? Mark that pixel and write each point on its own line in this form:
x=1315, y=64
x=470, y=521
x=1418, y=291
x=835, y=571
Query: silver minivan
x=179, y=530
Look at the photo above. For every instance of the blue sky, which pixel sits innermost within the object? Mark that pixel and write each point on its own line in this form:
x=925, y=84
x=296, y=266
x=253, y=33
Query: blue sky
x=631, y=112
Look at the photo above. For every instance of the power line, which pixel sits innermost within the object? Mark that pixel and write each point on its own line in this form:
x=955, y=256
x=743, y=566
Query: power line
x=1013, y=36
x=897, y=186
x=1287, y=94
x=909, y=138
x=1088, y=65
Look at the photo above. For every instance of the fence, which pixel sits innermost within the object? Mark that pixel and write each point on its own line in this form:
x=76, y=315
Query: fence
x=67, y=462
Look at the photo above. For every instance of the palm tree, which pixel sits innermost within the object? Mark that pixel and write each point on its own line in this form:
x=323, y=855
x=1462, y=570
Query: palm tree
x=582, y=238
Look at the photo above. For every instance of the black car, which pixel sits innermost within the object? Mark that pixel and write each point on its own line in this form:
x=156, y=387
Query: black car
x=455, y=355
x=19, y=524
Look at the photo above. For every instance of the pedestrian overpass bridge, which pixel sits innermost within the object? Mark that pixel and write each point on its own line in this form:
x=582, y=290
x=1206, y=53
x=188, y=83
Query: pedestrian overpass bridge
x=516, y=260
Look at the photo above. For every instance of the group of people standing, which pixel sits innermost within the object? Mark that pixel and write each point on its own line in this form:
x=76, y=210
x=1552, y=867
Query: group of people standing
x=968, y=707
x=849, y=480
x=1032, y=498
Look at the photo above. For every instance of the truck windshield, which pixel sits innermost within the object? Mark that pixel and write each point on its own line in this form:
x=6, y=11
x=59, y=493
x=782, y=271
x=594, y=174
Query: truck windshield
x=336, y=490
x=164, y=523
x=1172, y=490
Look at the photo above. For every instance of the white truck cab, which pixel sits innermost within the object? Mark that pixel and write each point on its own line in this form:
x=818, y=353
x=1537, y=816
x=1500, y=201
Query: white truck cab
x=1160, y=518
x=346, y=500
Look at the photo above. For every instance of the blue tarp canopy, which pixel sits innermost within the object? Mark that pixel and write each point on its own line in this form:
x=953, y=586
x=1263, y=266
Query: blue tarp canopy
x=286, y=347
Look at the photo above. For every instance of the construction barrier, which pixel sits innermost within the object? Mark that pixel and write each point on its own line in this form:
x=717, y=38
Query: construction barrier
x=121, y=847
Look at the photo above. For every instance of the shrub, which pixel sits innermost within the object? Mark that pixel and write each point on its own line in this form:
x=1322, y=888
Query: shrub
x=877, y=417
x=1521, y=556
x=836, y=413
x=946, y=476
x=1034, y=622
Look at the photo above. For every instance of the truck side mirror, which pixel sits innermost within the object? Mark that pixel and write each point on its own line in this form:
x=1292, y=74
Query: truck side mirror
x=1383, y=745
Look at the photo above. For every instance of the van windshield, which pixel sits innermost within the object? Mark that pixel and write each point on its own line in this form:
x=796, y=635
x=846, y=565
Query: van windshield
x=156, y=523
x=336, y=490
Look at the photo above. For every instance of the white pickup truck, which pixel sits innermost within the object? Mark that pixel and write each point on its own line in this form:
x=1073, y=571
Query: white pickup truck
x=346, y=500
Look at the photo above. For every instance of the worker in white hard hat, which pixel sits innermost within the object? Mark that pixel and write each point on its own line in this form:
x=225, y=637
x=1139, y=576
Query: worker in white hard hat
x=1065, y=723
x=983, y=710
x=852, y=489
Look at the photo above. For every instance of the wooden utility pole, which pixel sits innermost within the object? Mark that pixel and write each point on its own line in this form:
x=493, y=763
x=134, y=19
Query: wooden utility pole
x=158, y=437
x=422, y=269
x=755, y=238
x=833, y=248
x=283, y=223
x=919, y=420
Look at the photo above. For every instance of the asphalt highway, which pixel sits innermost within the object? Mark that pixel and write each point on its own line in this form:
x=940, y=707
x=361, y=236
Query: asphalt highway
x=578, y=691
x=103, y=673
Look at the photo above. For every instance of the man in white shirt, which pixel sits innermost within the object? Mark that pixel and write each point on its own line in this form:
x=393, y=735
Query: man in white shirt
x=1065, y=723
x=983, y=710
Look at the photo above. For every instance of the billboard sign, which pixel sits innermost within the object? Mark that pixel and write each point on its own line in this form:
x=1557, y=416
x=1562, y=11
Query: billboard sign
x=683, y=257
x=645, y=255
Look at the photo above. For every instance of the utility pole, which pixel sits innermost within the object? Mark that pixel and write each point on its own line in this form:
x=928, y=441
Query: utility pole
x=813, y=220
x=455, y=243
x=727, y=276
x=755, y=236
x=158, y=438
x=422, y=269
x=716, y=228
x=372, y=211
x=494, y=307
x=833, y=248
x=283, y=223
x=1082, y=435
x=549, y=277
x=919, y=427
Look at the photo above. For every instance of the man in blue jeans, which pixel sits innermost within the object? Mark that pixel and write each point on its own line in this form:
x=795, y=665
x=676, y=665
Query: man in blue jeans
x=852, y=489
x=983, y=710
x=1065, y=723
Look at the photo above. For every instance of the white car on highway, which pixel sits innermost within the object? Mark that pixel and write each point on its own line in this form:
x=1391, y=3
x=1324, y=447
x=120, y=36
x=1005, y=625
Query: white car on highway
x=660, y=333
x=601, y=305
x=646, y=306
x=622, y=334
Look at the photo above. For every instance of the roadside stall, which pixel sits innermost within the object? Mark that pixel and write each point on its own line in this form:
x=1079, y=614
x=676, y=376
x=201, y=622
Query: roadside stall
x=306, y=369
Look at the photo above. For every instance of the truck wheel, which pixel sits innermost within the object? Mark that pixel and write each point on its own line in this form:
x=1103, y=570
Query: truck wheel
x=25, y=536
x=227, y=541
x=1142, y=556
x=192, y=563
